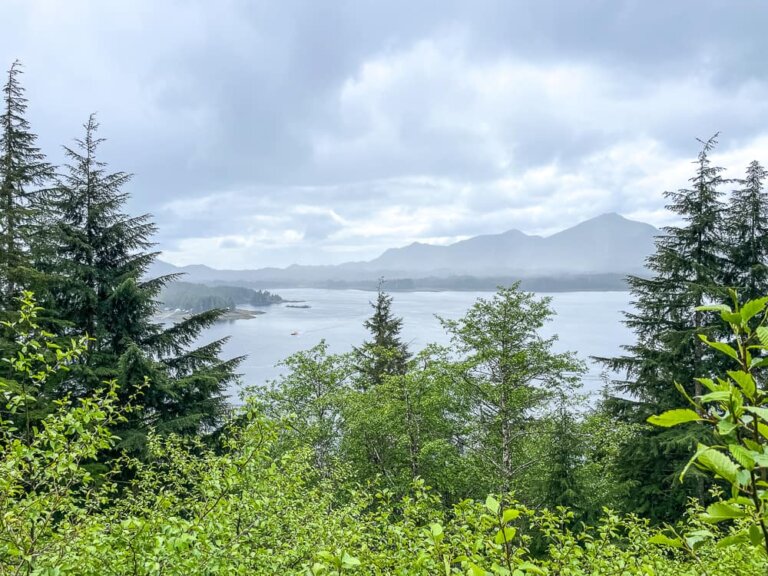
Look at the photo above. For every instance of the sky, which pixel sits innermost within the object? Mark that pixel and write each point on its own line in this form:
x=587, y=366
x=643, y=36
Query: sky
x=268, y=133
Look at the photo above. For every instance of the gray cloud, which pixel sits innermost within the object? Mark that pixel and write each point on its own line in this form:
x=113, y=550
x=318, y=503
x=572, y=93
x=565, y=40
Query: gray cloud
x=266, y=133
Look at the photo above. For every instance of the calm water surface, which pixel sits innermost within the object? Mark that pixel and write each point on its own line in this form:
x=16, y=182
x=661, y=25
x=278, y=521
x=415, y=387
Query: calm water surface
x=588, y=323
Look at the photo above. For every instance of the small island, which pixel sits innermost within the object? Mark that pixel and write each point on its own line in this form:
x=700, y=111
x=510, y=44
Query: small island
x=298, y=306
x=180, y=300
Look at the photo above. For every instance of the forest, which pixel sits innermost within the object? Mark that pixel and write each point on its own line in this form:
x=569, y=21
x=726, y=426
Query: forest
x=121, y=453
x=201, y=298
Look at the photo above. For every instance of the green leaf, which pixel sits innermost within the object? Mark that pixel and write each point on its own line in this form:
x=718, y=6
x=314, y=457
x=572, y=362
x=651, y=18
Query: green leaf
x=696, y=538
x=732, y=540
x=717, y=396
x=731, y=318
x=674, y=417
x=348, y=560
x=753, y=307
x=492, y=504
x=664, y=540
x=720, y=346
x=719, y=463
x=714, y=308
x=709, y=384
x=505, y=535
x=726, y=426
x=681, y=389
x=742, y=456
x=762, y=335
x=745, y=382
x=530, y=568
x=720, y=511
x=758, y=411
x=509, y=515
x=713, y=460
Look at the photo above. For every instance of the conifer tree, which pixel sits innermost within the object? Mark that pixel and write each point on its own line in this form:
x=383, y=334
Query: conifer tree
x=746, y=225
x=384, y=354
x=23, y=175
x=100, y=290
x=562, y=485
x=685, y=272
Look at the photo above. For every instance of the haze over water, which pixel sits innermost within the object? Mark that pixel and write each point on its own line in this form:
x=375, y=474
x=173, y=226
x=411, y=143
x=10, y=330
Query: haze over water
x=588, y=323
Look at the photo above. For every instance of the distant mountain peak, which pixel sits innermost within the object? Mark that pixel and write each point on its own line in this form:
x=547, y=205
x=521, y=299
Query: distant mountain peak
x=608, y=243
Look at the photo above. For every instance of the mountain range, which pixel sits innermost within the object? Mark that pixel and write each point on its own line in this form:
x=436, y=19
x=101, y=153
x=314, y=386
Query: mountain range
x=601, y=250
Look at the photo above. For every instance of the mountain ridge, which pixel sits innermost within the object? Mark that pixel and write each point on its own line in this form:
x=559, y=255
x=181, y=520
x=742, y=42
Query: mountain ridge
x=608, y=244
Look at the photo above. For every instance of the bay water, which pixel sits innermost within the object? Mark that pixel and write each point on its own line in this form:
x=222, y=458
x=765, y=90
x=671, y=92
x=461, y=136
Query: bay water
x=587, y=323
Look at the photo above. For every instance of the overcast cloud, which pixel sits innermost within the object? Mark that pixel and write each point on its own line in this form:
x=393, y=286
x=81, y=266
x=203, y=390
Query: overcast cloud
x=267, y=133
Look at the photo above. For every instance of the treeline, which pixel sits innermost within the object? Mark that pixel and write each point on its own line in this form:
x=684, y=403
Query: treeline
x=64, y=234
x=201, y=298
x=566, y=283
x=720, y=244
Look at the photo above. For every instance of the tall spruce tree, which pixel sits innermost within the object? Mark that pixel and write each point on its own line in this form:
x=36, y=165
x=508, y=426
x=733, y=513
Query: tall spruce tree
x=103, y=256
x=746, y=225
x=686, y=271
x=385, y=354
x=24, y=174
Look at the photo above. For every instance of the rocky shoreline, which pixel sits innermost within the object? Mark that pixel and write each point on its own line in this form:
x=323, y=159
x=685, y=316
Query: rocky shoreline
x=179, y=315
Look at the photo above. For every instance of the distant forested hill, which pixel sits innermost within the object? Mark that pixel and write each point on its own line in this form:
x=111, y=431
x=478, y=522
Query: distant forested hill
x=199, y=298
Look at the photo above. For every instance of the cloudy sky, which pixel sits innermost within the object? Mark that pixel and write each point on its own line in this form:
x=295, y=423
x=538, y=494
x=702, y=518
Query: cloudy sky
x=275, y=132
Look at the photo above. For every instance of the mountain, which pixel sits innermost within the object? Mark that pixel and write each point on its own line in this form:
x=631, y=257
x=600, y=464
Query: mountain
x=608, y=246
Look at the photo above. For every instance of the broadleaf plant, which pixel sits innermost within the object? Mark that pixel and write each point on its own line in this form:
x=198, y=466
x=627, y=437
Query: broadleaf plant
x=736, y=408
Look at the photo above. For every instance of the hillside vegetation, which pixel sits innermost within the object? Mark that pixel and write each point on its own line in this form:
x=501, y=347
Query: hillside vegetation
x=120, y=453
x=200, y=298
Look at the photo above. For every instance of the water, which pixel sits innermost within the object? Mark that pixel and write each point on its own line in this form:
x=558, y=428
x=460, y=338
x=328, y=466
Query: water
x=587, y=323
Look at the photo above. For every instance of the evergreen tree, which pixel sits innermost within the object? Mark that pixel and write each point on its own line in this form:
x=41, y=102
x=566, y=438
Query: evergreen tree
x=562, y=484
x=103, y=255
x=746, y=225
x=686, y=268
x=384, y=354
x=23, y=175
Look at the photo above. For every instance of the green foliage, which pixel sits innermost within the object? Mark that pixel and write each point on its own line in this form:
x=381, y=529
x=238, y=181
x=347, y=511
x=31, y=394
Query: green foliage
x=736, y=409
x=686, y=272
x=43, y=481
x=24, y=173
x=509, y=373
x=102, y=255
x=248, y=508
x=746, y=226
x=200, y=298
x=308, y=401
x=385, y=354
x=410, y=426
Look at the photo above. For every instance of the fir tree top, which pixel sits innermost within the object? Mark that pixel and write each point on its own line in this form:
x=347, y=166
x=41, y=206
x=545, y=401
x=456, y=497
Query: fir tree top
x=385, y=354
